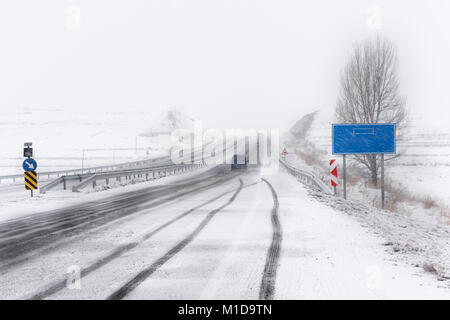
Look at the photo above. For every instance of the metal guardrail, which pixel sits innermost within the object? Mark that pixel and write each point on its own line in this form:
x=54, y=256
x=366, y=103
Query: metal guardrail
x=155, y=172
x=87, y=178
x=91, y=170
x=63, y=180
x=143, y=167
x=307, y=177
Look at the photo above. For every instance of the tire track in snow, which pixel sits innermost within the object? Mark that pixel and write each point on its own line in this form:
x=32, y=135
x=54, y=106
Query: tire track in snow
x=218, y=277
x=267, y=288
x=16, y=251
x=60, y=285
x=128, y=287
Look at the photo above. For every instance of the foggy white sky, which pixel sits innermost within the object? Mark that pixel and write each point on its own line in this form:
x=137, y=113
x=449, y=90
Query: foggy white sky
x=229, y=63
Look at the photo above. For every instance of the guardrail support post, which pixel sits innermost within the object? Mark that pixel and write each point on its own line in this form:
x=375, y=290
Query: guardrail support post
x=64, y=182
x=93, y=184
x=107, y=181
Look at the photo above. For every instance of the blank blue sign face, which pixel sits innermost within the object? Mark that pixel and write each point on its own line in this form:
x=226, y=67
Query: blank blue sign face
x=363, y=138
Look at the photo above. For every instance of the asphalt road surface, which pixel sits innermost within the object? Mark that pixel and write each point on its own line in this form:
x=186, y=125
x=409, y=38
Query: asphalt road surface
x=111, y=248
x=208, y=234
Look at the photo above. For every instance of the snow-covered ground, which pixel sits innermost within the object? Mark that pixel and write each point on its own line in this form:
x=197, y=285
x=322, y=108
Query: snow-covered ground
x=59, y=137
x=342, y=250
x=325, y=253
x=331, y=248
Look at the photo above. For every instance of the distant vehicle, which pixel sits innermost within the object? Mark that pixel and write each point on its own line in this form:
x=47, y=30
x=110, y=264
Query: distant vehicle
x=239, y=162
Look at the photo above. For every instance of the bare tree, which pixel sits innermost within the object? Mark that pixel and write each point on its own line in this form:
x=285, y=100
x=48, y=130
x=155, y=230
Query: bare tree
x=370, y=92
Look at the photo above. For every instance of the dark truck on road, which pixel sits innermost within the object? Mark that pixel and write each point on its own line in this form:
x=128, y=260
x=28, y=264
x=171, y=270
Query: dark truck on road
x=239, y=162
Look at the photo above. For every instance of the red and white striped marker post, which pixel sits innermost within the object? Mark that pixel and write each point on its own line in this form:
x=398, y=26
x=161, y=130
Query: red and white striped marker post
x=334, y=174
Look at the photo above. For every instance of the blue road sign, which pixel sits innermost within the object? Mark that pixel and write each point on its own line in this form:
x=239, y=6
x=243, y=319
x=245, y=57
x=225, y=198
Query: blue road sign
x=363, y=138
x=29, y=164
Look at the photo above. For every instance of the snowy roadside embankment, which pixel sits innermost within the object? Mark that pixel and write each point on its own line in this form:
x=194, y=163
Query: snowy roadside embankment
x=328, y=254
x=421, y=244
x=415, y=226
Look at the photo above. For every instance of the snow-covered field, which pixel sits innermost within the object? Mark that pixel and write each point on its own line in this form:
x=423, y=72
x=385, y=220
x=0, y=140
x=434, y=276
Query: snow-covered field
x=59, y=137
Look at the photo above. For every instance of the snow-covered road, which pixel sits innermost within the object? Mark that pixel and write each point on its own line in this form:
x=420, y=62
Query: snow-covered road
x=217, y=234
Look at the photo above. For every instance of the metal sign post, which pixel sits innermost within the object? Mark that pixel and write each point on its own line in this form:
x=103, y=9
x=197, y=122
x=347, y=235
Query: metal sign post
x=29, y=166
x=345, y=177
x=382, y=180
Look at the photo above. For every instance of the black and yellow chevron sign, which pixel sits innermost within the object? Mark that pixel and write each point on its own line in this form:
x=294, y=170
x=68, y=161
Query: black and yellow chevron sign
x=30, y=180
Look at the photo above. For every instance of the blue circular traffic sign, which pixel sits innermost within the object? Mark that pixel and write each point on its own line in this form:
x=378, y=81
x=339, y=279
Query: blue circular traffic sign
x=29, y=164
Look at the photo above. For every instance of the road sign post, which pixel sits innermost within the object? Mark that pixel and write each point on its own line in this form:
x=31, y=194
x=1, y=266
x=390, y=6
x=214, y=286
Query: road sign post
x=29, y=165
x=370, y=138
x=344, y=185
x=382, y=180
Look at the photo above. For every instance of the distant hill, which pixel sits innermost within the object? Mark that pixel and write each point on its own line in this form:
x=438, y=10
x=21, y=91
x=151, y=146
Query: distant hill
x=169, y=121
x=302, y=126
